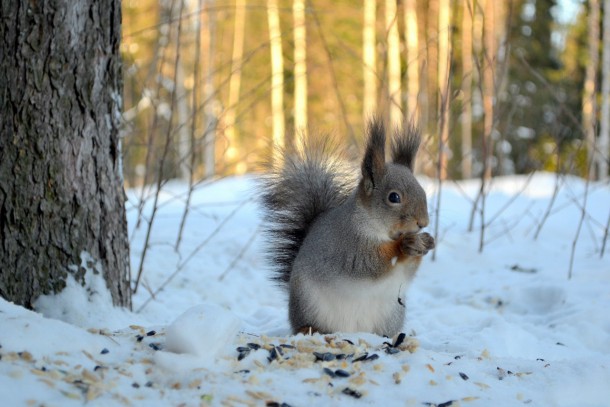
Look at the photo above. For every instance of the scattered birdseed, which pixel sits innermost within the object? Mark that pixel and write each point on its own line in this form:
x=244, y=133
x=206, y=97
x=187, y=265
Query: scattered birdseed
x=329, y=372
x=275, y=353
x=324, y=357
x=374, y=356
x=400, y=339
x=464, y=376
x=276, y=404
x=449, y=403
x=397, y=378
x=350, y=392
x=104, y=351
x=341, y=373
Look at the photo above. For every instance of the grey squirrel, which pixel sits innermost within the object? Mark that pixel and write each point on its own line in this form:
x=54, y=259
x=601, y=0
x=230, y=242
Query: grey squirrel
x=347, y=249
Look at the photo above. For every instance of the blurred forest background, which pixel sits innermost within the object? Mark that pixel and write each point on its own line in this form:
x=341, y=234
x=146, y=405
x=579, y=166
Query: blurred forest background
x=498, y=87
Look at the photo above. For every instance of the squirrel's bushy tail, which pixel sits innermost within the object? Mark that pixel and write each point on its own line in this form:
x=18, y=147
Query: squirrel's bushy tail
x=294, y=193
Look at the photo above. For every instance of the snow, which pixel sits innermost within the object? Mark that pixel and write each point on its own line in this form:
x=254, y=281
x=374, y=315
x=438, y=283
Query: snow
x=504, y=326
x=202, y=331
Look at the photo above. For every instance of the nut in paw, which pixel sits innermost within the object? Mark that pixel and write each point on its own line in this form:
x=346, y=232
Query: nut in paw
x=417, y=244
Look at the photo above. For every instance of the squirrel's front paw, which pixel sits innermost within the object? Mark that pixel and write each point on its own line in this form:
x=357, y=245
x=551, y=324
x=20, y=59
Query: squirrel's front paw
x=417, y=245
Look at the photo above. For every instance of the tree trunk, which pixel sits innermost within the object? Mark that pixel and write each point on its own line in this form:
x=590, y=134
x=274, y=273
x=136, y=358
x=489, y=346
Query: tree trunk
x=277, y=78
x=235, y=84
x=444, y=60
x=182, y=115
x=589, y=103
x=604, y=133
x=489, y=54
x=395, y=96
x=210, y=113
x=368, y=59
x=432, y=86
x=467, y=17
x=412, y=57
x=300, y=70
x=61, y=187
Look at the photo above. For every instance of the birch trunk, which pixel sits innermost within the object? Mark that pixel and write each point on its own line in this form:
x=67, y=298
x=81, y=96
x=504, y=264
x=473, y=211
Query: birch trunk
x=412, y=57
x=210, y=113
x=444, y=59
x=235, y=82
x=277, y=78
x=184, y=137
x=489, y=52
x=604, y=134
x=467, y=66
x=395, y=96
x=589, y=103
x=432, y=69
x=300, y=70
x=369, y=60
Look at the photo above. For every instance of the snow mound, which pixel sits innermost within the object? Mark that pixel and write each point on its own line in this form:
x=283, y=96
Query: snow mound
x=86, y=304
x=202, y=331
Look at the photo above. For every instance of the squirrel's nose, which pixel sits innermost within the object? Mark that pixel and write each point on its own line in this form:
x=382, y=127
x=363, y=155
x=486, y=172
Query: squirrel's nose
x=422, y=223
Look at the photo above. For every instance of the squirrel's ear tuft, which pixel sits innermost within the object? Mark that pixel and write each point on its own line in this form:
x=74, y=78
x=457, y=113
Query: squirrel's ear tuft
x=373, y=164
x=405, y=145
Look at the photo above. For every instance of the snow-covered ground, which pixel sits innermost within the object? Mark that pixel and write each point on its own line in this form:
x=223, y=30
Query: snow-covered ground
x=503, y=327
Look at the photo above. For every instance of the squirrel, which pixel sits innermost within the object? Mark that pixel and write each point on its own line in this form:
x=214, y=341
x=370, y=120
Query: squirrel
x=346, y=250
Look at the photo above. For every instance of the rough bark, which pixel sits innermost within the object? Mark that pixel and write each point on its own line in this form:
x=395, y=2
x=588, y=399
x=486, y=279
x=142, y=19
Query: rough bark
x=61, y=189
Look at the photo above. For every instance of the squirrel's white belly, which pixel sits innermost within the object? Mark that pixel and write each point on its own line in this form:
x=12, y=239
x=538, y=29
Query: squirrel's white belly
x=362, y=305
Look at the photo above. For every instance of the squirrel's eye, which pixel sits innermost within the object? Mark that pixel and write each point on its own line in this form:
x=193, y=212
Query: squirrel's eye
x=394, y=197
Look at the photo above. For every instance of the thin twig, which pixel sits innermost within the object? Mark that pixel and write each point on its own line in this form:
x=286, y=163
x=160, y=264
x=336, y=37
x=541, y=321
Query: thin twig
x=163, y=157
x=583, y=212
x=333, y=75
x=549, y=207
x=241, y=253
x=441, y=152
x=184, y=262
x=193, y=156
x=482, y=213
x=605, y=239
x=512, y=199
